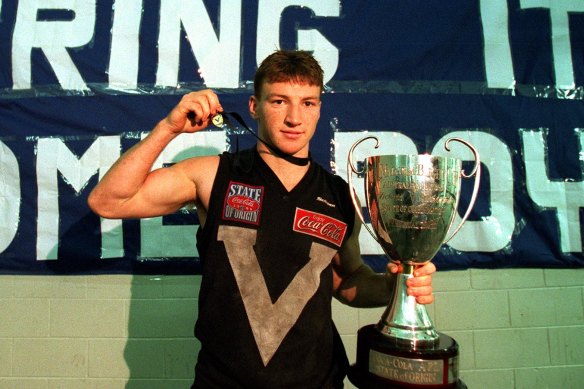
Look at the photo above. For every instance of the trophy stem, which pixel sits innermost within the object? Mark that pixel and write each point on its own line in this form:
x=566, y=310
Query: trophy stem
x=405, y=321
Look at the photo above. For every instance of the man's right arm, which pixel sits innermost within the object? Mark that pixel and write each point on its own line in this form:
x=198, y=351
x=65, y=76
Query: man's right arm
x=131, y=190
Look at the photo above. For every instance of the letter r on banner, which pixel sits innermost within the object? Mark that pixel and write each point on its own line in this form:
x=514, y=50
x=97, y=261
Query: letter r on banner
x=53, y=38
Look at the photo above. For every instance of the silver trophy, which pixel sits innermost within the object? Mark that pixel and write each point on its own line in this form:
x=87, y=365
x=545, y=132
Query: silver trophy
x=412, y=201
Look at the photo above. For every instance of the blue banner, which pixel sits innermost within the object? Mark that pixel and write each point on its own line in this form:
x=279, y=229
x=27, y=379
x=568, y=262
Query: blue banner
x=81, y=81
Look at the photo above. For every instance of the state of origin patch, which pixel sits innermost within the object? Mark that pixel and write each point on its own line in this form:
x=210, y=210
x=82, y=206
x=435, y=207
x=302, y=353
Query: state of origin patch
x=243, y=203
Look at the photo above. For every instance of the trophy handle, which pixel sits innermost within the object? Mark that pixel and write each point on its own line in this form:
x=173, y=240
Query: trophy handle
x=476, y=171
x=351, y=168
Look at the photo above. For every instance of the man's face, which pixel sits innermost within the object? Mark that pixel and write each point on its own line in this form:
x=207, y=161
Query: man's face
x=287, y=114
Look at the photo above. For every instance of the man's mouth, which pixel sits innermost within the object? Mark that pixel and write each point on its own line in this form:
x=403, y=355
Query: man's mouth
x=292, y=134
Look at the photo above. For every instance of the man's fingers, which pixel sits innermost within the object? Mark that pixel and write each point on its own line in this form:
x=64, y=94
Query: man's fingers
x=200, y=106
x=425, y=270
x=419, y=291
x=426, y=299
x=393, y=267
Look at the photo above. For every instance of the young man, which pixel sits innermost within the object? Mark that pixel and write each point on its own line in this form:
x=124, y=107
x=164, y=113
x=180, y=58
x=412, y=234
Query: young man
x=279, y=235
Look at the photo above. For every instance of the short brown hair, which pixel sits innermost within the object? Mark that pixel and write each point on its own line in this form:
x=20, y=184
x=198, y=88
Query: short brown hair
x=288, y=65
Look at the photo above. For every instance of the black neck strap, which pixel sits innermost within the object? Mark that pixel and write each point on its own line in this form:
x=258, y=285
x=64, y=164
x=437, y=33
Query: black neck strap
x=287, y=157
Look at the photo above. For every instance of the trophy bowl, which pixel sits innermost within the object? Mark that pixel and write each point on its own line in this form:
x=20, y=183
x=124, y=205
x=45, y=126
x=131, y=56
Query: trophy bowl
x=412, y=201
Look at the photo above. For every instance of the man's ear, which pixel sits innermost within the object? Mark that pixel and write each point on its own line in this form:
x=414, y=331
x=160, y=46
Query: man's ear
x=252, y=105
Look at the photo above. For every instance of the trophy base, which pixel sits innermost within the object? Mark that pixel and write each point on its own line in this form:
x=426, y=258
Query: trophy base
x=382, y=363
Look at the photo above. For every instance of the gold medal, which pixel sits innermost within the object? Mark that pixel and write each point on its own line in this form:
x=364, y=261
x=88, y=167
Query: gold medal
x=218, y=120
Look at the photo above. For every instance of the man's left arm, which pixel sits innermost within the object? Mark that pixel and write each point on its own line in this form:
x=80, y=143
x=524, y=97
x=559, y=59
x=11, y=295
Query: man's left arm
x=357, y=285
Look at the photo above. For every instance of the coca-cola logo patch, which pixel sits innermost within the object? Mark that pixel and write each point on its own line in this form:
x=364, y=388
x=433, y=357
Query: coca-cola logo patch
x=243, y=203
x=320, y=226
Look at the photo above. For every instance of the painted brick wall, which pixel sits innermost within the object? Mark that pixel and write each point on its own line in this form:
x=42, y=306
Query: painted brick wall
x=520, y=328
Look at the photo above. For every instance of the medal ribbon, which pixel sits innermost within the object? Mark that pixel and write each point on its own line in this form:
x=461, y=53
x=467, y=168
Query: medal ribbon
x=223, y=118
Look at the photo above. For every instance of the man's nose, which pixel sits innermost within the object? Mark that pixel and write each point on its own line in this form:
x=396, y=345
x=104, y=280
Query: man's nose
x=293, y=116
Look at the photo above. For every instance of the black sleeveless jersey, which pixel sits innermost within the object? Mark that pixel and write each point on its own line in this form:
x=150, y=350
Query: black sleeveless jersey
x=265, y=301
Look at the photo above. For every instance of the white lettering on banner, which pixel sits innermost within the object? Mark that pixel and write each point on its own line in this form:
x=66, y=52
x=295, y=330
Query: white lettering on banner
x=565, y=196
x=561, y=46
x=495, y=230
x=159, y=240
x=52, y=156
x=497, y=46
x=269, y=12
x=125, y=49
x=489, y=234
x=217, y=53
x=218, y=58
x=498, y=60
x=53, y=38
x=10, y=198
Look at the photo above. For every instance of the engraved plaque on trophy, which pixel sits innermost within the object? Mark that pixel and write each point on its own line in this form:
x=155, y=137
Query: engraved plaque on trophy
x=412, y=202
